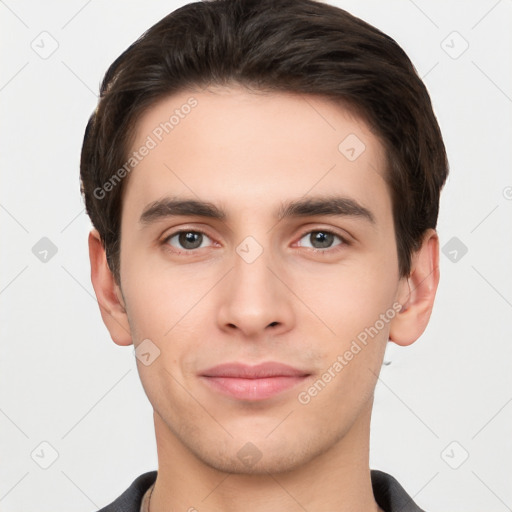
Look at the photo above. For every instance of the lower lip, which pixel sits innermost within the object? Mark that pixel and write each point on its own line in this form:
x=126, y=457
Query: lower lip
x=253, y=389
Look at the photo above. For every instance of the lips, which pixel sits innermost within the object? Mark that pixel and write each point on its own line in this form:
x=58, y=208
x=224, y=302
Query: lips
x=238, y=370
x=253, y=383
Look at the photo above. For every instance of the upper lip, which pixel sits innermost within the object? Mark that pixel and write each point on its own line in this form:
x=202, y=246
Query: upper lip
x=260, y=371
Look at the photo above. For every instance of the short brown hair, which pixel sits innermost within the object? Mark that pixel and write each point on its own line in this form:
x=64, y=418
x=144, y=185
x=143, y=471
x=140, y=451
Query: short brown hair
x=301, y=46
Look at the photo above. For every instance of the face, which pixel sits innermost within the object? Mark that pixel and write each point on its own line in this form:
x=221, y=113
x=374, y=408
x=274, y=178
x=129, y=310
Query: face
x=257, y=228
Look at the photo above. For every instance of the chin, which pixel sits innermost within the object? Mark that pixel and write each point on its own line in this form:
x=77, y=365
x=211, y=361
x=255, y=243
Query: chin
x=257, y=457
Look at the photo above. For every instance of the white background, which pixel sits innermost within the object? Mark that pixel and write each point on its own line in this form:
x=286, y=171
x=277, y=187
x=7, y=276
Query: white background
x=64, y=382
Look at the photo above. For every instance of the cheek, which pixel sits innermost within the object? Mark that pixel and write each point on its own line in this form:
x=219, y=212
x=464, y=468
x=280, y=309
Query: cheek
x=358, y=307
x=347, y=298
x=161, y=297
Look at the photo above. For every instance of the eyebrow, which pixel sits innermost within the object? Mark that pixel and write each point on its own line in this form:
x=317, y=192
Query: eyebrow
x=172, y=207
x=315, y=206
x=336, y=206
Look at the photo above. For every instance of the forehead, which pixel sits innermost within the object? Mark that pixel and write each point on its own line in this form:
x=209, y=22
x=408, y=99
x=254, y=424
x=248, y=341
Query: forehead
x=249, y=149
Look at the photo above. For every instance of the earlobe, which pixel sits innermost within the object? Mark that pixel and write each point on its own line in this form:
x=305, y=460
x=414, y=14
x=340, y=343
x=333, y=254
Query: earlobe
x=417, y=293
x=108, y=293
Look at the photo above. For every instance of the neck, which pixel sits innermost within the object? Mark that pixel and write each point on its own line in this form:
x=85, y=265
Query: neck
x=338, y=479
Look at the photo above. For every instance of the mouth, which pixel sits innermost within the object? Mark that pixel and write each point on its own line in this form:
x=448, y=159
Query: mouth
x=253, y=383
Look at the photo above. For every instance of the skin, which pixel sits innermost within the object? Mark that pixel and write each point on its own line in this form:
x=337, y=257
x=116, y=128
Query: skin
x=248, y=153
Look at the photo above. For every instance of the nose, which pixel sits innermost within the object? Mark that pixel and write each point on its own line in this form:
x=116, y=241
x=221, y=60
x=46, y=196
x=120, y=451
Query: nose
x=254, y=301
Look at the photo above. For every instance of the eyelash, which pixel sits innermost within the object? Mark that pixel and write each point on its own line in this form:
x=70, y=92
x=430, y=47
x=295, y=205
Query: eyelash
x=190, y=252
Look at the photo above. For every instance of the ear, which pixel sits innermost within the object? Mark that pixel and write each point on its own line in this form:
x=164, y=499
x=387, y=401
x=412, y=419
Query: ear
x=417, y=293
x=108, y=293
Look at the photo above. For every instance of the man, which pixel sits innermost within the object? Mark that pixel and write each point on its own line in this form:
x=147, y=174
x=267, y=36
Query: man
x=263, y=179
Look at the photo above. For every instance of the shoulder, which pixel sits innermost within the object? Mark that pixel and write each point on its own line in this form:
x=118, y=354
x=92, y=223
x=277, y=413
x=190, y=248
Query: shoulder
x=131, y=499
x=390, y=495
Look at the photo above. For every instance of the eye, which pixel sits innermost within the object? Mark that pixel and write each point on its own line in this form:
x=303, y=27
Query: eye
x=320, y=239
x=188, y=240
